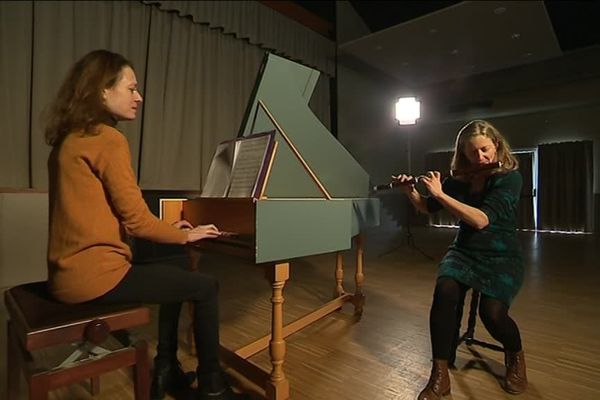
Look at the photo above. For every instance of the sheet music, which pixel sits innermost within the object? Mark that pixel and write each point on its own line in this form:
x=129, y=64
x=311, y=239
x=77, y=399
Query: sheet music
x=219, y=173
x=249, y=156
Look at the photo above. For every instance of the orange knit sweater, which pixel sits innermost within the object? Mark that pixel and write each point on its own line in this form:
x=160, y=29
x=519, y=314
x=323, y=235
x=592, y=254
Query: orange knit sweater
x=94, y=203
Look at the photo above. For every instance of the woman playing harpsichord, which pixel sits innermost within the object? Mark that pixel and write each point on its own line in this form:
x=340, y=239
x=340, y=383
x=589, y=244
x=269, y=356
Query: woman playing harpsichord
x=485, y=254
x=95, y=201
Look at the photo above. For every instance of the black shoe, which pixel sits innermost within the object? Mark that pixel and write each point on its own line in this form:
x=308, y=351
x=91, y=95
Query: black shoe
x=169, y=378
x=214, y=386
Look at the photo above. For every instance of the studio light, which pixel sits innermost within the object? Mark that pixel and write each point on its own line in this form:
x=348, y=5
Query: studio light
x=408, y=110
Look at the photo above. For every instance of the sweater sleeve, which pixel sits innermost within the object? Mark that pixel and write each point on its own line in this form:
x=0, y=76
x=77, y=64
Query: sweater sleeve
x=113, y=167
x=502, y=199
x=452, y=188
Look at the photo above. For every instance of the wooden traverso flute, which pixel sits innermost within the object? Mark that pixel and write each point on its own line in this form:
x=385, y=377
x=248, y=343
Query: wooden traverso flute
x=455, y=172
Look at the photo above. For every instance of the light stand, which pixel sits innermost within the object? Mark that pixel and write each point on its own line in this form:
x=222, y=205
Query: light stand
x=408, y=111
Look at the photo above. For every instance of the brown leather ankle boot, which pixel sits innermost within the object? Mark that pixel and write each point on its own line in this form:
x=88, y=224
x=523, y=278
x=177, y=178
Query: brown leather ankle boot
x=516, y=375
x=439, y=382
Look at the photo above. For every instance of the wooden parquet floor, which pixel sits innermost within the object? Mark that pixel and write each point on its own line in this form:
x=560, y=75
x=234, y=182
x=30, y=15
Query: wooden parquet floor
x=386, y=355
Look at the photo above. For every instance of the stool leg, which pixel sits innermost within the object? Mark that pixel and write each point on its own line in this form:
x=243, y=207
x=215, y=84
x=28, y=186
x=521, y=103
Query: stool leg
x=466, y=337
x=470, y=334
x=141, y=371
x=13, y=366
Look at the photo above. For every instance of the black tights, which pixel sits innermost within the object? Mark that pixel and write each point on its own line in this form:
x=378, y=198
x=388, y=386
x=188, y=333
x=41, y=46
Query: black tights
x=446, y=313
x=169, y=286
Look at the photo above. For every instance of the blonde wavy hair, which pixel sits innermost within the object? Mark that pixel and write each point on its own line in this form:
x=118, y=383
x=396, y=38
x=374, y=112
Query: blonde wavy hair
x=480, y=127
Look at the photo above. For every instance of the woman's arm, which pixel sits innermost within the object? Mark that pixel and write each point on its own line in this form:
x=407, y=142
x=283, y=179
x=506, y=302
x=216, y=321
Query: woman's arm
x=418, y=201
x=472, y=216
x=113, y=167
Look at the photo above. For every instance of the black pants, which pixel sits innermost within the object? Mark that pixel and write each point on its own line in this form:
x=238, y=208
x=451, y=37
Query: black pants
x=446, y=311
x=170, y=285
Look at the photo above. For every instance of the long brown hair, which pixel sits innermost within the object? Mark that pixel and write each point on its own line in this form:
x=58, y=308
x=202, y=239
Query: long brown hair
x=480, y=127
x=78, y=105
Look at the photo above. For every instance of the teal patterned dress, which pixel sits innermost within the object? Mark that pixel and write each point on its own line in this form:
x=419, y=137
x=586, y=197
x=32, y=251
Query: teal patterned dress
x=488, y=260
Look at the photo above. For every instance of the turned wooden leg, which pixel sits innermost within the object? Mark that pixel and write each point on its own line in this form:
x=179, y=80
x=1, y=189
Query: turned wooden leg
x=359, y=278
x=339, y=275
x=277, y=387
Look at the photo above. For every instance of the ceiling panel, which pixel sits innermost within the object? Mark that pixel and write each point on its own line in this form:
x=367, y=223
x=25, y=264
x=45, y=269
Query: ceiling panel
x=463, y=39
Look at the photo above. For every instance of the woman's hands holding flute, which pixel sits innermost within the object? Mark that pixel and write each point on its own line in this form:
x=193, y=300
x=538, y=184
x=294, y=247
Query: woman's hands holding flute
x=432, y=181
x=405, y=182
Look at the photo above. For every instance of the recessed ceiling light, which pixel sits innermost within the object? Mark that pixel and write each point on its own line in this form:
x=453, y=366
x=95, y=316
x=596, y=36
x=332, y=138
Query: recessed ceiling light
x=515, y=35
x=499, y=10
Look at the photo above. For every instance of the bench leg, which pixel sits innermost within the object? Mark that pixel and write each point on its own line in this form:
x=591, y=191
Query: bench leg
x=13, y=363
x=38, y=387
x=141, y=371
x=95, y=385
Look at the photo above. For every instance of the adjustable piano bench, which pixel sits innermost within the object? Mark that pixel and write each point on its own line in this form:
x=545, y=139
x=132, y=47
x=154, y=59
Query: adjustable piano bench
x=37, y=322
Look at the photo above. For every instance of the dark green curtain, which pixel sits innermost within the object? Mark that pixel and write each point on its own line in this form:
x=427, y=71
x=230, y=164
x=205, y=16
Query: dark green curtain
x=565, y=186
x=525, y=218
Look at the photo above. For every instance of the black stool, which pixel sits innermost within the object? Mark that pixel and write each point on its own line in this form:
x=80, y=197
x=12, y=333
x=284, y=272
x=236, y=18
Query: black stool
x=469, y=336
x=37, y=321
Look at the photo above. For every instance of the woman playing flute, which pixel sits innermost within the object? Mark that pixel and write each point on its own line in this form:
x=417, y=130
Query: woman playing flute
x=485, y=255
